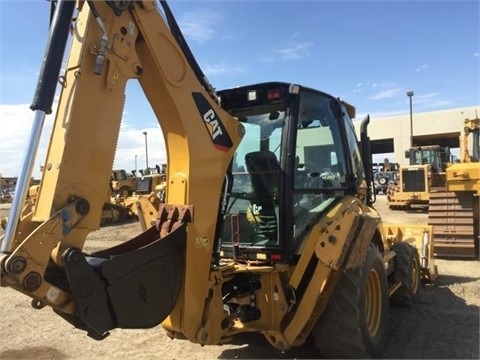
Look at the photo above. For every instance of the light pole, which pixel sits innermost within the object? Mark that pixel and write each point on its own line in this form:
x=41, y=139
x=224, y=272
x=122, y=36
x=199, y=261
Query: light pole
x=410, y=94
x=146, y=151
x=135, y=164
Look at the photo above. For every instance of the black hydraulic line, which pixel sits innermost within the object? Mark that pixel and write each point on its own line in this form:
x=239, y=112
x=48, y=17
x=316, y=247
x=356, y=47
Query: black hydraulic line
x=53, y=4
x=177, y=33
x=93, y=9
x=53, y=57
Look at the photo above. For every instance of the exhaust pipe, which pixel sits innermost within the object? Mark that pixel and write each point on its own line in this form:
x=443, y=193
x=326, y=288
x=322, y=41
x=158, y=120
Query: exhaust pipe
x=425, y=241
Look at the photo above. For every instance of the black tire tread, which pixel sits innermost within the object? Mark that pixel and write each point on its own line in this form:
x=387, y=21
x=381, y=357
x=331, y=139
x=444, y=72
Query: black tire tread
x=339, y=331
x=406, y=254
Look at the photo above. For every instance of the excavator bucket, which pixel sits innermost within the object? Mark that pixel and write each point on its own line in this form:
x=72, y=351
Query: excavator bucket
x=132, y=285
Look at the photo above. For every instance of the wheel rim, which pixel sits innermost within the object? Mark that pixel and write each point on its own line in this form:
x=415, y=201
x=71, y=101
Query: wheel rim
x=373, y=302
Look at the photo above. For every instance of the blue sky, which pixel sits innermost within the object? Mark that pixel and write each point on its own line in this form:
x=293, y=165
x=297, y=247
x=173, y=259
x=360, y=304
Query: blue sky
x=368, y=52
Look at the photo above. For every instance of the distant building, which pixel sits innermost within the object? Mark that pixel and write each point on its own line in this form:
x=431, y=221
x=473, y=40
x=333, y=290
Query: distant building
x=392, y=134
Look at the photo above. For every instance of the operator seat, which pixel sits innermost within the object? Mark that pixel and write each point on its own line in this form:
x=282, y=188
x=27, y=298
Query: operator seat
x=264, y=171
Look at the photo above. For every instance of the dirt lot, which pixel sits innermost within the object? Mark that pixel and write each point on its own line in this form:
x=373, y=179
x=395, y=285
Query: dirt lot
x=444, y=324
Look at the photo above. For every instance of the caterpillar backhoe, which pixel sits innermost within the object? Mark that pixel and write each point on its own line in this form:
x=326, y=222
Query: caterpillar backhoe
x=268, y=224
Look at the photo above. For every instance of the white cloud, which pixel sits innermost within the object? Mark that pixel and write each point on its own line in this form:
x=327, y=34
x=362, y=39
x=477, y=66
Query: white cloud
x=295, y=51
x=361, y=86
x=422, y=67
x=222, y=68
x=438, y=104
x=425, y=97
x=265, y=59
x=431, y=101
x=198, y=26
x=386, y=94
x=294, y=35
x=131, y=147
x=17, y=121
x=292, y=51
x=476, y=54
x=379, y=114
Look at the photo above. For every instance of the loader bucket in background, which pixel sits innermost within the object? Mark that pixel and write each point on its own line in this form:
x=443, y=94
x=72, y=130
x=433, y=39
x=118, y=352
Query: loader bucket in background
x=113, y=214
x=133, y=285
x=421, y=237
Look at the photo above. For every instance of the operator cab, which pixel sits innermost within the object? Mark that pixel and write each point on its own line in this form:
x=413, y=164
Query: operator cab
x=298, y=158
x=434, y=155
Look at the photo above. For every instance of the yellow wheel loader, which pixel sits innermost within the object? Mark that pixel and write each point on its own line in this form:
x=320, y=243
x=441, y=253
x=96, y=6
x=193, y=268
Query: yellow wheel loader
x=267, y=226
x=122, y=184
x=133, y=194
x=426, y=170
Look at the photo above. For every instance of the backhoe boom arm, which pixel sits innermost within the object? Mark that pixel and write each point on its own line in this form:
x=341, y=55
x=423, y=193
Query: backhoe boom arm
x=111, y=44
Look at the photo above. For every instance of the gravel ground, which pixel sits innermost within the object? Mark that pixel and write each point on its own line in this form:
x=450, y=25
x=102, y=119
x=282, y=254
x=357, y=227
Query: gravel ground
x=444, y=324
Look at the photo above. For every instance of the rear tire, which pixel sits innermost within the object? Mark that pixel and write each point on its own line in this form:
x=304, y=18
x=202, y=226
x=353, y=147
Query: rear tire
x=408, y=272
x=355, y=321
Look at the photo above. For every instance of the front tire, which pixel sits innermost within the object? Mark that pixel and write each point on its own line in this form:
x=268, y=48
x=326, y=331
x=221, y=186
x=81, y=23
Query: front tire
x=408, y=272
x=125, y=192
x=355, y=321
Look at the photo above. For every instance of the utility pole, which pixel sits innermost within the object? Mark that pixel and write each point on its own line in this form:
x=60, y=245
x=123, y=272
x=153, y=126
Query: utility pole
x=410, y=94
x=146, y=151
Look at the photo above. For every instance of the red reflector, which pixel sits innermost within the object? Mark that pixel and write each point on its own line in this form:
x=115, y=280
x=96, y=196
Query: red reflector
x=276, y=257
x=273, y=94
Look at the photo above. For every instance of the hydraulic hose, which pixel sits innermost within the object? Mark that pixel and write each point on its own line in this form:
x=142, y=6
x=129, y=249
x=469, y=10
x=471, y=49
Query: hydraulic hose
x=177, y=33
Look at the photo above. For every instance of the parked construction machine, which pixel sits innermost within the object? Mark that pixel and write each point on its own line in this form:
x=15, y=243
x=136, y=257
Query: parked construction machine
x=426, y=170
x=454, y=208
x=268, y=225
x=149, y=193
x=122, y=183
x=153, y=180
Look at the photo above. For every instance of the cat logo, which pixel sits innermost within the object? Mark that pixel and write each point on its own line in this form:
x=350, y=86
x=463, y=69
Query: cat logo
x=220, y=138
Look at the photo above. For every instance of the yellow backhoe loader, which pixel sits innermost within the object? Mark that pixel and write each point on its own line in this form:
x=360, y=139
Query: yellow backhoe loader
x=268, y=225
